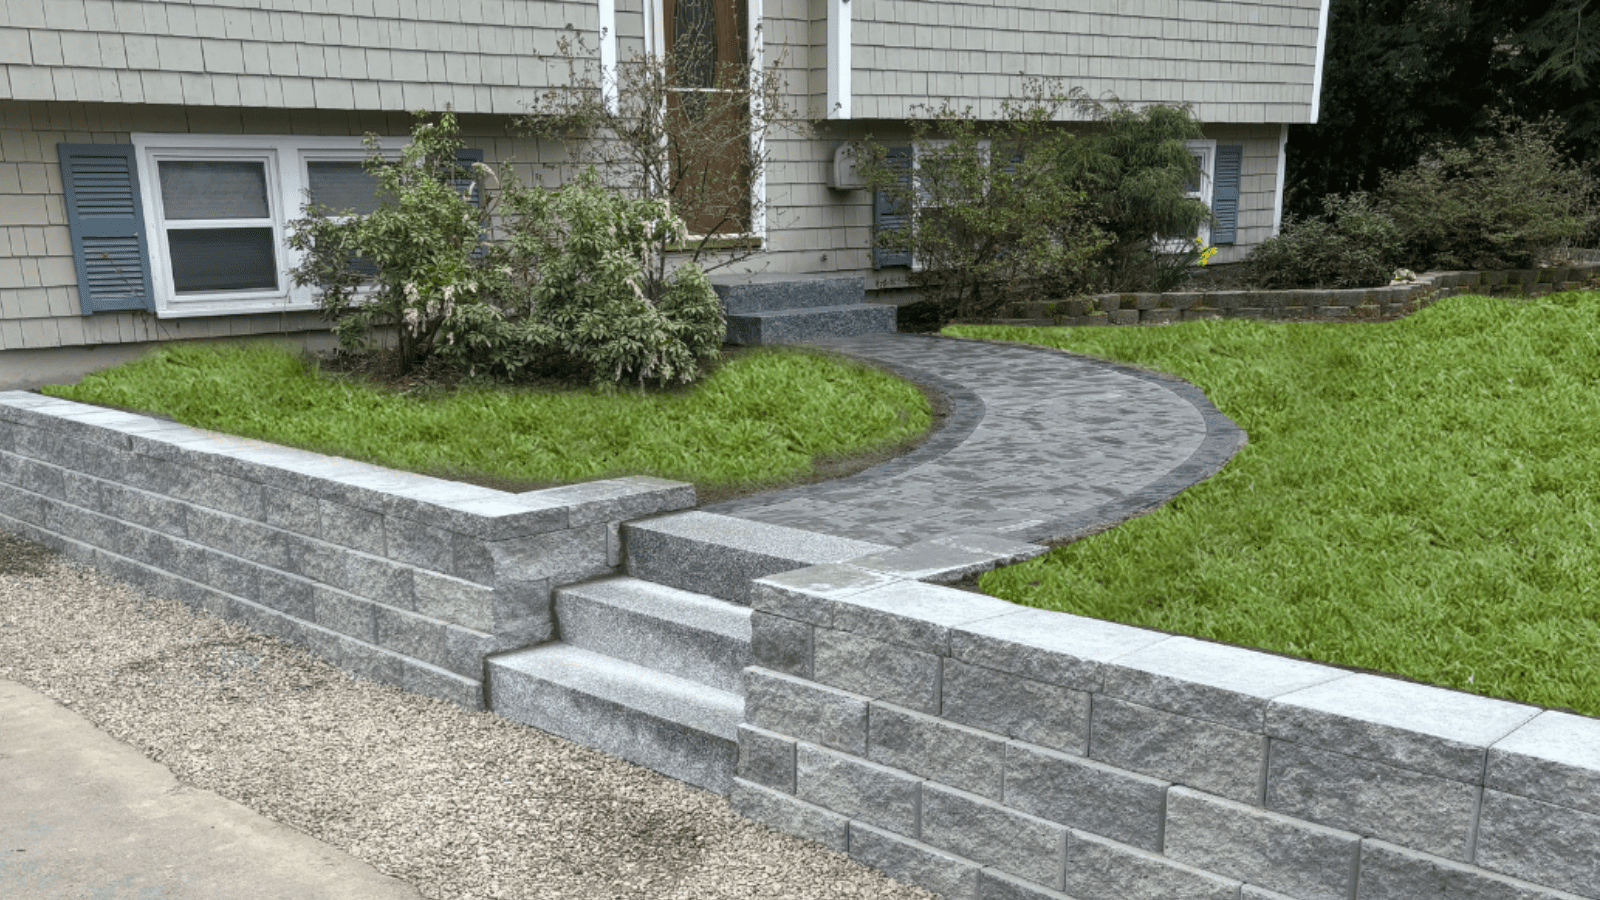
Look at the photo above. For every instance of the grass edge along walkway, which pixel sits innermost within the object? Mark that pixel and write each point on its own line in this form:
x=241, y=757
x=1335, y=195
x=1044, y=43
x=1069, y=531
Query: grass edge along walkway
x=760, y=418
x=1419, y=497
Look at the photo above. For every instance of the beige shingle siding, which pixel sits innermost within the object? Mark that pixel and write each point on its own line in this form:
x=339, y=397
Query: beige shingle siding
x=38, y=281
x=1235, y=61
x=478, y=56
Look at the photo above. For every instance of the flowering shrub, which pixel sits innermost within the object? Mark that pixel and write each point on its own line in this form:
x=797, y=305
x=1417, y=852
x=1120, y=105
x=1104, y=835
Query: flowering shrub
x=501, y=286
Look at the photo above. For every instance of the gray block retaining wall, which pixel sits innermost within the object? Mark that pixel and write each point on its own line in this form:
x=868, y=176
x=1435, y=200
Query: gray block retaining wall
x=1335, y=304
x=403, y=578
x=985, y=750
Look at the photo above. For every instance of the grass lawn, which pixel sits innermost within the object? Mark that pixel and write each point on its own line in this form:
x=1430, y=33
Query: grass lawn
x=765, y=417
x=1419, y=497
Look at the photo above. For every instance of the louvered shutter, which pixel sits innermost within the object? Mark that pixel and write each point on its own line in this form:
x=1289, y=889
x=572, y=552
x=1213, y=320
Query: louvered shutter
x=106, y=218
x=469, y=186
x=1225, y=193
x=888, y=214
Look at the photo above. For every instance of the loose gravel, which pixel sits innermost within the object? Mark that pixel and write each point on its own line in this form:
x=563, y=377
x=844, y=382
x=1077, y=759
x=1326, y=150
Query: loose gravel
x=461, y=805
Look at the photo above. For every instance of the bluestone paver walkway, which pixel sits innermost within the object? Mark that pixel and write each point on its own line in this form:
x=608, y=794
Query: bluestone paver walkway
x=1040, y=445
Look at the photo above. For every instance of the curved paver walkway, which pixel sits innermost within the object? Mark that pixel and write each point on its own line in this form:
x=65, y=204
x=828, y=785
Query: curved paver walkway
x=1040, y=445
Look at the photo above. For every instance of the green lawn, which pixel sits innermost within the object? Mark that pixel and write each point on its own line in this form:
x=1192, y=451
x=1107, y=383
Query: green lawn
x=1418, y=497
x=761, y=418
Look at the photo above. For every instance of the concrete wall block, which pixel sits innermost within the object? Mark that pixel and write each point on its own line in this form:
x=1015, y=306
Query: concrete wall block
x=471, y=559
x=378, y=579
x=143, y=508
x=1085, y=794
x=418, y=545
x=789, y=815
x=1045, y=714
x=1540, y=842
x=1426, y=813
x=953, y=754
x=81, y=525
x=876, y=669
x=352, y=527
x=347, y=614
x=408, y=634
x=22, y=505
x=288, y=594
x=464, y=650
x=232, y=575
x=321, y=562
x=563, y=556
x=291, y=511
x=223, y=493
x=914, y=862
x=863, y=791
x=1259, y=847
x=1214, y=758
x=83, y=491
x=357, y=657
x=1398, y=723
x=766, y=758
x=811, y=712
x=1554, y=758
x=240, y=537
x=780, y=644
x=524, y=608
x=1102, y=869
x=1389, y=872
x=430, y=681
x=994, y=835
x=41, y=478
x=453, y=600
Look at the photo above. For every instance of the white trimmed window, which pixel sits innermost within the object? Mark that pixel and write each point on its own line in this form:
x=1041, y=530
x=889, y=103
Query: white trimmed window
x=1201, y=187
x=217, y=209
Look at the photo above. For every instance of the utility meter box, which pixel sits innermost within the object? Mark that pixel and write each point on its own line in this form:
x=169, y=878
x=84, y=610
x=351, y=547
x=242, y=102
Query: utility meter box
x=843, y=174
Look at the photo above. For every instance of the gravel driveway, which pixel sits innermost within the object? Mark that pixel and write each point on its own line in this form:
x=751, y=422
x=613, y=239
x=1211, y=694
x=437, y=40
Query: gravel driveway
x=461, y=805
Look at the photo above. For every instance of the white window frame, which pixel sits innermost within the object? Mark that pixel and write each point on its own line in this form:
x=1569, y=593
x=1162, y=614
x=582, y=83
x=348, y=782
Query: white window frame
x=984, y=145
x=1207, y=151
x=285, y=157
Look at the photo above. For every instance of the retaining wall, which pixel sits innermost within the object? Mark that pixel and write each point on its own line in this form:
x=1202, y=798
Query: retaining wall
x=986, y=750
x=402, y=578
x=1342, y=304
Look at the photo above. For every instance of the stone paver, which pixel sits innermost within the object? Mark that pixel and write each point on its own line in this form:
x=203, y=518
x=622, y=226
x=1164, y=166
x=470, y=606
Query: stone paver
x=1040, y=445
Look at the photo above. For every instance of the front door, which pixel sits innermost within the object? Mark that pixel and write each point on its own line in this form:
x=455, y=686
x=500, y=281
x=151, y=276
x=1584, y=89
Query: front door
x=708, y=125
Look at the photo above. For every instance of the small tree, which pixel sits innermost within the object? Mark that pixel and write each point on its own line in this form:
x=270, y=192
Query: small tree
x=990, y=211
x=1135, y=171
x=684, y=128
x=415, y=252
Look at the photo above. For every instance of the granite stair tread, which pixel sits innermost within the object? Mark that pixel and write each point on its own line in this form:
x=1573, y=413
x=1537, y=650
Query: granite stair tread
x=682, y=633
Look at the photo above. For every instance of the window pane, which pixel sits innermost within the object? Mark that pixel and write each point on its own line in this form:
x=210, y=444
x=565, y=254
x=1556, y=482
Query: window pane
x=343, y=186
x=1193, y=184
x=214, y=189
x=222, y=259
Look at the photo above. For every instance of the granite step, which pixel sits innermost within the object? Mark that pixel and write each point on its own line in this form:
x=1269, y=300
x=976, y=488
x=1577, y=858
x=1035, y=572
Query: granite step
x=682, y=633
x=794, y=326
x=720, y=555
x=744, y=294
x=671, y=725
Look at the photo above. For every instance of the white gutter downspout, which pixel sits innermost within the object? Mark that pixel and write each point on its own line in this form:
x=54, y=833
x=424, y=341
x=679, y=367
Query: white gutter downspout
x=839, y=59
x=758, y=56
x=1283, y=174
x=608, y=54
x=1316, y=79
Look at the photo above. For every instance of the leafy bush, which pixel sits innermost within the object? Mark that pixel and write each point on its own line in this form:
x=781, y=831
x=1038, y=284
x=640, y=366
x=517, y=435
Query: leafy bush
x=563, y=272
x=1351, y=245
x=991, y=211
x=421, y=241
x=1495, y=203
x=1134, y=170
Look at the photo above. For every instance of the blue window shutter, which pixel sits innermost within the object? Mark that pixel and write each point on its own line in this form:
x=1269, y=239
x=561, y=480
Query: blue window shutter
x=888, y=215
x=1225, y=193
x=106, y=218
x=469, y=186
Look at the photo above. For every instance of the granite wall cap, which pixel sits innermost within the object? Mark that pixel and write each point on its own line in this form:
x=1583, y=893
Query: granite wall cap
x=1218, y=682
x=1413, y=726
x=808, y=594
x=1045, y=645
x=914, y=615
x=926, y=561
x=503, y=517
x=1554, y=757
